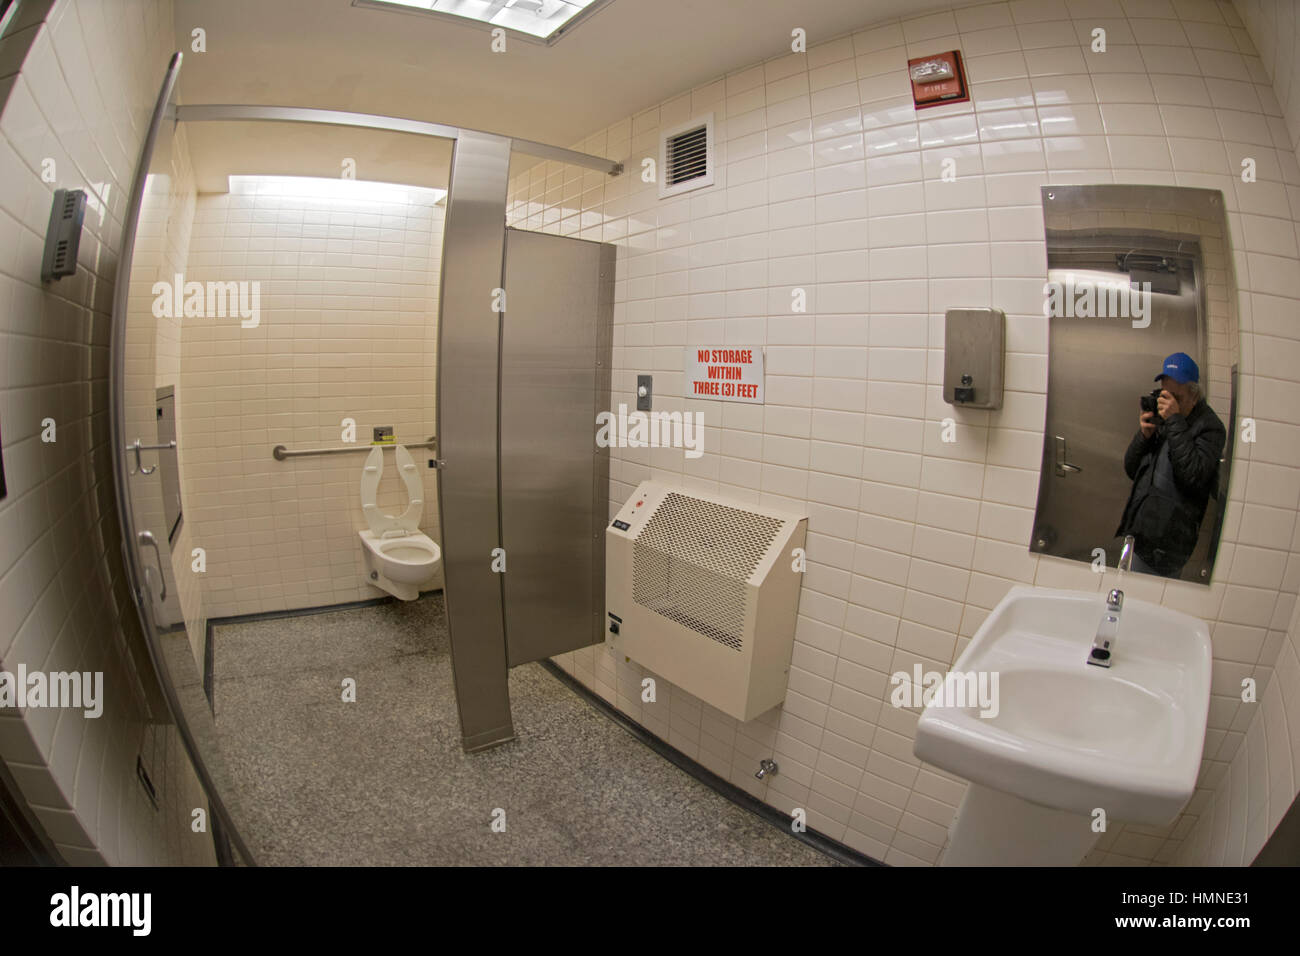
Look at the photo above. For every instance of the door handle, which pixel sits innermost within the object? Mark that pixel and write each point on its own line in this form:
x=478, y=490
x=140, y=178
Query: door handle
x=146, y=537
x=136, y=447
x=1063, y=467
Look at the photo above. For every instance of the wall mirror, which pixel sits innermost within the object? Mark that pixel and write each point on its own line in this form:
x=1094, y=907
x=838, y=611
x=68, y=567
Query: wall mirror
x=1143, y=349
x=277, y=321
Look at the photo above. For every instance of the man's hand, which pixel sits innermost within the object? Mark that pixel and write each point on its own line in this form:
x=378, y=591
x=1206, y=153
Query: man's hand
x=1146, y=424
x=1167, y=405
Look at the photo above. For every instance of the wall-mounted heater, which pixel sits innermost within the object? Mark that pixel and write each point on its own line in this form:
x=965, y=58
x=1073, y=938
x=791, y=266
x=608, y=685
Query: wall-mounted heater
x=703, y=592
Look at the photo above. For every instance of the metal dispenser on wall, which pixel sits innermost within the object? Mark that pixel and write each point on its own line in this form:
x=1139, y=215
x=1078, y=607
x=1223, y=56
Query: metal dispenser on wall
x=63, y=236
x=973, y=355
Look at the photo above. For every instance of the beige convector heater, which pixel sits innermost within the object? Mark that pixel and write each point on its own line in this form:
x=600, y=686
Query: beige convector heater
x=704, y=592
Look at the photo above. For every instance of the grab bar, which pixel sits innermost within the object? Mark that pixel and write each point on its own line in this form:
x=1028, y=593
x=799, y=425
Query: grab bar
x=146, y=537
x=280, y=453
x=136, y=447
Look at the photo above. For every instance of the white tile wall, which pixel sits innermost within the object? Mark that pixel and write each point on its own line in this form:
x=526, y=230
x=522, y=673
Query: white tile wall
x=1274, y=26
x=349, y=300
x=1260, y=784
x=81, y=99
x=829, y=180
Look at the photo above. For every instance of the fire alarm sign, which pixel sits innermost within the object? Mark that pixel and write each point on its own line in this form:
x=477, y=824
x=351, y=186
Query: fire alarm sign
x=938, y=79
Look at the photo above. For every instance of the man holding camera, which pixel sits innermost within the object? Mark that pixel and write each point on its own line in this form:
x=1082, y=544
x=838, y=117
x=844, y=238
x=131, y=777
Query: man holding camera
x=1173, y=461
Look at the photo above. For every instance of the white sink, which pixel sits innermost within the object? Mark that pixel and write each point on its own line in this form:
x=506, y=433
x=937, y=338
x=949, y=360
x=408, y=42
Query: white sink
x=1071, y=736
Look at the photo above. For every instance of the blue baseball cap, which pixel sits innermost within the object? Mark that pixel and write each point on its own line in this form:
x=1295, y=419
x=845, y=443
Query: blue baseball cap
x=1180, y=368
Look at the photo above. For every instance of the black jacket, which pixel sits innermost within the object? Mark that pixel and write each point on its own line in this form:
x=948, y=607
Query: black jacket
x=1174, y=473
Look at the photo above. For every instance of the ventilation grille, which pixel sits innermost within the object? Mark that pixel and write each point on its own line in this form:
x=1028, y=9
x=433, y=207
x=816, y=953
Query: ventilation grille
x=686, y=156
x=692, y=561
x=68, y=214
x=63, y=235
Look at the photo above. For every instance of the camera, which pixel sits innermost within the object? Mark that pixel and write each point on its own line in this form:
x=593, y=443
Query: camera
x=1149, y=401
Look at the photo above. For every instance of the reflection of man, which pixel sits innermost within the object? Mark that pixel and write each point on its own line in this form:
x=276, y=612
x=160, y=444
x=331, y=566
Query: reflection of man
x=1173, y=461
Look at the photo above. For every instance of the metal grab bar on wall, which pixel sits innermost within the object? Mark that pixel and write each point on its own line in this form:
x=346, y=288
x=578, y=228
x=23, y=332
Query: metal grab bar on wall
x=280, y=453
x=136, y=447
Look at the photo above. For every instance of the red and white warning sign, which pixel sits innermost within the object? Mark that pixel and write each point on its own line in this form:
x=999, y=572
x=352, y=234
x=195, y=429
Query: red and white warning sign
x=728, y=373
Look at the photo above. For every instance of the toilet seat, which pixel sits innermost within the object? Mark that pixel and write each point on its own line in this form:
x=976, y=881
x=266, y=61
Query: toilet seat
x=391, y=526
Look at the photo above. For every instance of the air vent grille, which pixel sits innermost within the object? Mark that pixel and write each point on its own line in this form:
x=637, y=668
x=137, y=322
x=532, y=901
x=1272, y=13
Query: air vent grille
x=687, y=156
x=693, y=560
x=63, y=236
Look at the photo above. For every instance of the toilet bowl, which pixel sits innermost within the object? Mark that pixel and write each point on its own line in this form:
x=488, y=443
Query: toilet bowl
x=399, y=558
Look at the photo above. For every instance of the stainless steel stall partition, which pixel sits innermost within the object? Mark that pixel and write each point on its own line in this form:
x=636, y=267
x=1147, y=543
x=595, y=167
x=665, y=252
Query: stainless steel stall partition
x=523, y=370
x=469, y=345
x=556, y=348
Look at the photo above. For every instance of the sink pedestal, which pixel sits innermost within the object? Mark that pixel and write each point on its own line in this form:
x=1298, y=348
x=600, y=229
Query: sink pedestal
x=993, y=828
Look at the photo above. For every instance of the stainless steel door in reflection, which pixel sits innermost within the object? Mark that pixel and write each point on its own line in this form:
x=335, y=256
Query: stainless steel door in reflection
x=555, y=356
x=1097, y=369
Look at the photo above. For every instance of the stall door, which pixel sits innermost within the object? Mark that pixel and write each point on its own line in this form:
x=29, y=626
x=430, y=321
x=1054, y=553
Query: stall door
x=555, y=357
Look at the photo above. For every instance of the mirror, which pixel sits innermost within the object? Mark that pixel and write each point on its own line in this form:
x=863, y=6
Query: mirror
x=148, y=479
x=275, y=333
x=1141, y=388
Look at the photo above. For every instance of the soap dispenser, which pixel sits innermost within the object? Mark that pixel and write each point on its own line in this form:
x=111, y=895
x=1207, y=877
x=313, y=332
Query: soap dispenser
x=974, y=349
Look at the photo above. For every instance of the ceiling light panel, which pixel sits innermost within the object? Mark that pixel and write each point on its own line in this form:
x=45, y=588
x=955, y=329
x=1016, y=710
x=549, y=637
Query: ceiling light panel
x=543, y=20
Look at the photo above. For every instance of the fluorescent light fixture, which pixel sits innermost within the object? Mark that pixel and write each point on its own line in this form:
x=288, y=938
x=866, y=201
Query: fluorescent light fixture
x=359, y=190
x=1101, y=281
x=8, y=10
x=536, y=20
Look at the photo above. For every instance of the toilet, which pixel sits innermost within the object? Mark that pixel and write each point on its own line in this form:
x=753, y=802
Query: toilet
x=399, y=558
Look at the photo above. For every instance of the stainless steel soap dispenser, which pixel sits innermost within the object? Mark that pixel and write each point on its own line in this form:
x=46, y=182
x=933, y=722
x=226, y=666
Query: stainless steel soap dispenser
x=973, y=354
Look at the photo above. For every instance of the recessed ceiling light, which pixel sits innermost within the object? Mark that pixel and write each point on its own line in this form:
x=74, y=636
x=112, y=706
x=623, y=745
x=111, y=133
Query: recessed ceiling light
x=534, y=20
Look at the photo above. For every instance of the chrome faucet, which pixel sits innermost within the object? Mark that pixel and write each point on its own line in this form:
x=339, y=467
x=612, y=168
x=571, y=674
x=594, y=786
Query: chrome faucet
x=1103, y=644
x=1125, y=562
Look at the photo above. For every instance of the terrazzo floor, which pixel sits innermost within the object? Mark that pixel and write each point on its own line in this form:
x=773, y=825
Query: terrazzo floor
x=383, y=781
